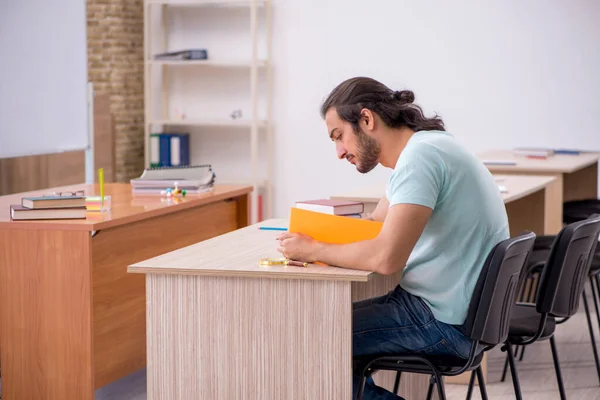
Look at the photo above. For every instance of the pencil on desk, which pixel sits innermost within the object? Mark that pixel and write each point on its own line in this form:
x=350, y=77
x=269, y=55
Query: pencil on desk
x=271, y=228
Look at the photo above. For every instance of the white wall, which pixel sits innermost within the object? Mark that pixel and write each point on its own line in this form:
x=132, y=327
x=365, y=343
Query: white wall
x=504, y=74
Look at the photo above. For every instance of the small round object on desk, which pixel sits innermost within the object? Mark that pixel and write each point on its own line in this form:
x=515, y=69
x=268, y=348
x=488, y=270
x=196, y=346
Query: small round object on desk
x=169, y=194
x=169, y=190
x=183, y=192
x=163, y=192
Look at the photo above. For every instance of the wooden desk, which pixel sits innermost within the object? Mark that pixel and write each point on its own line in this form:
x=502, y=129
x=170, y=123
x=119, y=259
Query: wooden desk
x=577, y=175
x=531, y=202
x=72, y=318
x=222, y=327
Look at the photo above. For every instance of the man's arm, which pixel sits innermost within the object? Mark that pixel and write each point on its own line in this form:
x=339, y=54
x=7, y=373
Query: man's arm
x=385, y=254
x=380, y=211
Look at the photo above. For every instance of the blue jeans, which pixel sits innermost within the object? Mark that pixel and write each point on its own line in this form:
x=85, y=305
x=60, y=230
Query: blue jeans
x=400, y=323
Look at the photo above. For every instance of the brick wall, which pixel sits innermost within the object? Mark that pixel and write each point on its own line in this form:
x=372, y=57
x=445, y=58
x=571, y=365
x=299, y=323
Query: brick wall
x=116, y=67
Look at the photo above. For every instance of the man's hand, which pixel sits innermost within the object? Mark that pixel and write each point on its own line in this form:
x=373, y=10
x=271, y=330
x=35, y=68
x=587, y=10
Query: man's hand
x=297, y=246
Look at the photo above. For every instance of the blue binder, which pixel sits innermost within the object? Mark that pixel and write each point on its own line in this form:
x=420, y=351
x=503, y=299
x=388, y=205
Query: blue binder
x=180, y=149
x=165, y=150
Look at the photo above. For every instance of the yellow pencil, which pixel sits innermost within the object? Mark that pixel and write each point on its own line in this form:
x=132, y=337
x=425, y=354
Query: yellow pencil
x=101, y=181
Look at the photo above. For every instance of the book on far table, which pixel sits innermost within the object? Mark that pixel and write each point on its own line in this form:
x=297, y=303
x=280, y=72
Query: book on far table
x=333, y=207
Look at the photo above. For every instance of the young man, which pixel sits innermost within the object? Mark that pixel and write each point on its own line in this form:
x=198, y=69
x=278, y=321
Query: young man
x=442, y=215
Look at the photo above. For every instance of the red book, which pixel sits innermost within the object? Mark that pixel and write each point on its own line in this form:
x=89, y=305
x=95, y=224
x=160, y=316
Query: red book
x=335, y=207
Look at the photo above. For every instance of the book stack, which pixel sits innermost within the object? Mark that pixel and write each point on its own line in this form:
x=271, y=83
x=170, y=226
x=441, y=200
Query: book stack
x=193, y=179
x=352, y=209
x=49, y=207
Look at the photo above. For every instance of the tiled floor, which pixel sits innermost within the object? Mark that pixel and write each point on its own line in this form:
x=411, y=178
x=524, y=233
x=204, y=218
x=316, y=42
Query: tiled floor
x=536, y=371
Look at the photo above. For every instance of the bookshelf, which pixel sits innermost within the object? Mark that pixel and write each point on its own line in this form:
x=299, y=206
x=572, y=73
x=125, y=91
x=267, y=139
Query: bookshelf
x=199, y=97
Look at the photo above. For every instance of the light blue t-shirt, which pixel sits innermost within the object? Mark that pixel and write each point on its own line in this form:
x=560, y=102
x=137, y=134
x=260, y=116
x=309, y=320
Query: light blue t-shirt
x=468, y=220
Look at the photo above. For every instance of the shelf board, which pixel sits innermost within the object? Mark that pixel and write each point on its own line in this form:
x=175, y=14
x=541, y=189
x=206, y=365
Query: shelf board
x=207, y=63
x=208, y=122
x=207, y=3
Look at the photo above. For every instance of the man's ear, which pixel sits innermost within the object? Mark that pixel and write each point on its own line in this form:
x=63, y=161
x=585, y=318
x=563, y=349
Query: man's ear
x=367, y=120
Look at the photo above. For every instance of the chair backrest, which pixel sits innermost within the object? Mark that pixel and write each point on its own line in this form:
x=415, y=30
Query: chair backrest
x=563, y=277
x=495, y=293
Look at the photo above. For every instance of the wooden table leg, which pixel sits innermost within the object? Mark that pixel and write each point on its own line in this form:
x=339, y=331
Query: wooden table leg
x=527, y=214
x=553, y=207
x=582, y=184
x=227, y=338
x=46, y=327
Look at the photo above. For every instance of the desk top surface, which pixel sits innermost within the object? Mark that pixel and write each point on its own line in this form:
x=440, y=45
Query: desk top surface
x=125, y=207
x=518, y=186
x=558, y=163
x=238, y=253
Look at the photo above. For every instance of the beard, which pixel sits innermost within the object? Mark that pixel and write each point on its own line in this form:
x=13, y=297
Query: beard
x=367, y=151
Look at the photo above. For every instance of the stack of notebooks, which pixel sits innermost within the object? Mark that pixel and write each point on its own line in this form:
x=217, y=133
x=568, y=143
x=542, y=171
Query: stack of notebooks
x=49, y=207
x=346, y=208
x=192, y=179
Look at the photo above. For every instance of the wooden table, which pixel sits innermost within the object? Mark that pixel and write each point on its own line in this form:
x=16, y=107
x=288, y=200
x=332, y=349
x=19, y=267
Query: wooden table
x=220, y=326
x=72, y=318
x=576, y=175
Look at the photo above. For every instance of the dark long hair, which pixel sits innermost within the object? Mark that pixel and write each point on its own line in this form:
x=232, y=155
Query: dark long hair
x=395, y=108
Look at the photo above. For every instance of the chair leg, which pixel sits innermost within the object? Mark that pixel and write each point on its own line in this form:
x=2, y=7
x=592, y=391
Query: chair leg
x=471, y=383
x=481, y=381
x=522, y=353
x=513, y=372
x=561, y=387
x=505, y=369
x=430, y=390
x=595, y=294
x=397, y=382
x=591, y=329
x=361, y=385
x=440, y=385
x=597, y=291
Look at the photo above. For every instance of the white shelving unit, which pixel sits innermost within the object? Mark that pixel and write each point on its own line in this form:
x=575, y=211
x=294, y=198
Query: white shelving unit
x=160, y=92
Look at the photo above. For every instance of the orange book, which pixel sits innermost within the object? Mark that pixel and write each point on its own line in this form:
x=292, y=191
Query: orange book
x=332, y=228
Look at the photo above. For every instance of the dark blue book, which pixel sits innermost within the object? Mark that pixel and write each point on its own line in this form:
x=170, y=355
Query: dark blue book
x=164, y=159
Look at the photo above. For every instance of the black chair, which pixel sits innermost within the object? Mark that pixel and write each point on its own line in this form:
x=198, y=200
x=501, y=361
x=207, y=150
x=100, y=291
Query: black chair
x=487, y=321
x=560, y=285
x=578, y=210
x=573, y=211
x=537, y=260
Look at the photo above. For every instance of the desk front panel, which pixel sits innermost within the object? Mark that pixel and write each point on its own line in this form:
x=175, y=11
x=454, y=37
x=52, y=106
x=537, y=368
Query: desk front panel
x=119, y=298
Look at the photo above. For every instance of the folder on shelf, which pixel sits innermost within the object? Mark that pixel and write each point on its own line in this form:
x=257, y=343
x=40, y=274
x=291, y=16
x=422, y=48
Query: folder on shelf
x=154, y=150
x=188, y=54
x=180, y=149
x=332, y=228
x=169, y=149
x=165, y=150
